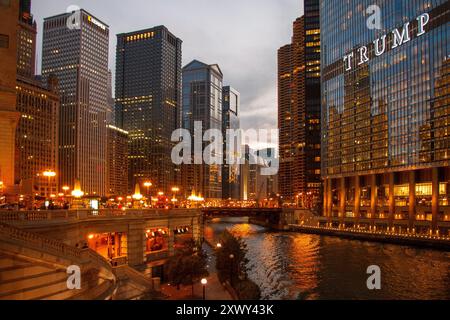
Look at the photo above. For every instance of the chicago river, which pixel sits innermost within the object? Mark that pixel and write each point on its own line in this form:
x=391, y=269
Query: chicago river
x=311, y=267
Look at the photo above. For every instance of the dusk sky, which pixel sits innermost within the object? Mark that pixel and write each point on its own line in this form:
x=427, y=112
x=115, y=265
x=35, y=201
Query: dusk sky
x=242, y=36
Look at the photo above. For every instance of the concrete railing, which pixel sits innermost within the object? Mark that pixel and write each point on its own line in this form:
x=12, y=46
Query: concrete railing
x=68, y=215
x=54, y=252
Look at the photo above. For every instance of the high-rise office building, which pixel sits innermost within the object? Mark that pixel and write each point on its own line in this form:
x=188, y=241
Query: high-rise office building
x=230, y=120
x=75, y=49
x=148, y=100
x=26, y=41
x=37, y=131
x=202, y=102
x=37, y=136
x=117, y=161
x=386, y=115
x=9, y=117
x=299, y=109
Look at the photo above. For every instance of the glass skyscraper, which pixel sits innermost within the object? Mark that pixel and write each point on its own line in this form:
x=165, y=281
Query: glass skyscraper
x=148, y=99
x=299, y=111
x=230, y=120
x=202, y=102
x=386, y=114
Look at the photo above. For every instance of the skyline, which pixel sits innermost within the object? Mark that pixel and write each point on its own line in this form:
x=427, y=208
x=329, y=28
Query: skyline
x=254, y=75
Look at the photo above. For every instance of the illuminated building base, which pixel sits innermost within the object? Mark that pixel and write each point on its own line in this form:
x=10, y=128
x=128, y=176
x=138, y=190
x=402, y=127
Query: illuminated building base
x=413, y=201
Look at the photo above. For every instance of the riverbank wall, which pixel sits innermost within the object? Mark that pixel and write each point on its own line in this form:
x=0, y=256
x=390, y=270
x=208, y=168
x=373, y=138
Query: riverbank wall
x=382, y=237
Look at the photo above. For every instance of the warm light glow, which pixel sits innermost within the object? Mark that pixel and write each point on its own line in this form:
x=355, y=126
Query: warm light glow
x=160, y=193
x=91, y=236
x=49, y=174
x=204, y=282
x=77, y=193
x=66, y=188
x=175, y=189
x=148, y=184
x=196, y=198
x=137, y=193
x=219, y=245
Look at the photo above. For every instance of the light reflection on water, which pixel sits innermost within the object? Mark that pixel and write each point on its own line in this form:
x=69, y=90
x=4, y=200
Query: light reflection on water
x=300, y=266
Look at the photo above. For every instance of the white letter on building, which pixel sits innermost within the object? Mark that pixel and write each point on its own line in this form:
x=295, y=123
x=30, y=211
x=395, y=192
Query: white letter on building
x=363, y=58
x=400, y=39
x=423, y=21
x=378, y=51
x=348, y=61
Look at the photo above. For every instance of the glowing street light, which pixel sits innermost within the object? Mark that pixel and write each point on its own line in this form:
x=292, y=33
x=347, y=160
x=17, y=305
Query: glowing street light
x=204, y=283
x=49, y=174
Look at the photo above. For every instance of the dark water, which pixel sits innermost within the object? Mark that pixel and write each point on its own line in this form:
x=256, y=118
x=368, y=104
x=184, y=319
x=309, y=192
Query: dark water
x=297, y=266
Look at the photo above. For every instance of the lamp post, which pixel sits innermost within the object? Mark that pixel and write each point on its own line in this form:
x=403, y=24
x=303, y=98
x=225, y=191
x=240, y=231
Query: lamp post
x=204, y=283
x=175, y=190
x=49, y=174
x=148, y=185
x=65, y=189
x=231, y=268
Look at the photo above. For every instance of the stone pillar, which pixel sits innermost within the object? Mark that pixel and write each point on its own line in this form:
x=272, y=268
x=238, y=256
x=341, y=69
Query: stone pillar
x=342, y=198
x=373, y=196
x=412, y=199
x=391, y=199
x=136, y=243
x=357, y=208
x=435, y=199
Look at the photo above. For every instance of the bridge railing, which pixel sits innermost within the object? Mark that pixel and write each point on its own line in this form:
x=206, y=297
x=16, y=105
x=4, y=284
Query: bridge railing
x=67, y=215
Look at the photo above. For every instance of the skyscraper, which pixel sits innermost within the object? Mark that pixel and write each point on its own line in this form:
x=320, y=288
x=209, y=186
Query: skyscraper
x=26, y=40
x=299, y=109
x=230, y=120
x=148, y=99
x=386, y=115
x=117, y=161
x=75, y=49
x=39, y=104
x=202, y=102
x=9, y=117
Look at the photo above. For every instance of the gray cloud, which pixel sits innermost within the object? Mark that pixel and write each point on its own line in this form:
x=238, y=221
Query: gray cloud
x=242, y=36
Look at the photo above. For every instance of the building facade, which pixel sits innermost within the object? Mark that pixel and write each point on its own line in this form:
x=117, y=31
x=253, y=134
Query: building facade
x=148, y=103
x=386, y=115
x=37, y=136
x=117, y=161
x=9, y=117
x=202, y=102
x=26, y=41
x=230, y=120
x=75, y=50
x=299, y=109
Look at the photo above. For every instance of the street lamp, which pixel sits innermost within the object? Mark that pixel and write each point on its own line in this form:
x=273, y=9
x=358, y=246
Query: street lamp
x=231, y=268
x=65, y=189
x=148, y=185
x=204, y=283
x=49, y=174
x=175, y=190
x=219, y=245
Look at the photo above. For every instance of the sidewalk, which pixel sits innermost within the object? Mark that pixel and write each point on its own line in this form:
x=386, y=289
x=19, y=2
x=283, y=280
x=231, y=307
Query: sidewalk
x=214, y=289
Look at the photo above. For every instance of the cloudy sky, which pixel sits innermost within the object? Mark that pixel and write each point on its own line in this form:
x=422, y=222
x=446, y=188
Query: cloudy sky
x=242, y=36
